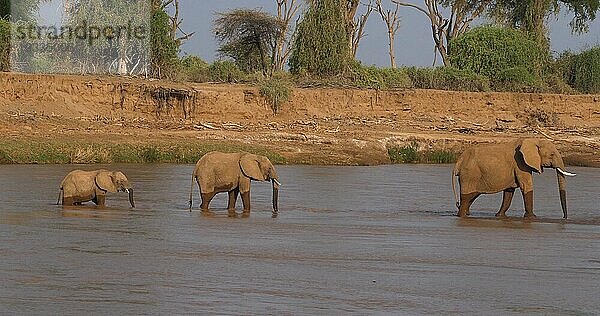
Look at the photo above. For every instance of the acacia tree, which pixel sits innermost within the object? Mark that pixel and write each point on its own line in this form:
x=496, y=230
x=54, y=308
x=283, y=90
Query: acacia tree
x=392, y=22
x=444, y=29
x=250, y=37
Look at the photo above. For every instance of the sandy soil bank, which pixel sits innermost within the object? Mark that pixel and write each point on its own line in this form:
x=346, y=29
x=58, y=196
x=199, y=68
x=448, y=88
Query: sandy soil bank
x=317, y=126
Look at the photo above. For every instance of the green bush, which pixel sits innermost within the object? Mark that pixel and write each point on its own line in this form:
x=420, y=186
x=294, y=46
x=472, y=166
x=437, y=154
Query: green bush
x=584, y=73
x=491, y=50
x=225, y=71
x=195, y=69
x=411, y=154
x=516, y=79
x=447, y=78
x=276, y=91
x=379, y=78
x=450, y=78
x=44, y=63
x=4, y=45
x=405, y=154
x=440, y=156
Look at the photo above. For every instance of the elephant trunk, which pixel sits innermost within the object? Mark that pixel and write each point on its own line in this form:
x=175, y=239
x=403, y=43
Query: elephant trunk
x=130, y=191
x=275, y=195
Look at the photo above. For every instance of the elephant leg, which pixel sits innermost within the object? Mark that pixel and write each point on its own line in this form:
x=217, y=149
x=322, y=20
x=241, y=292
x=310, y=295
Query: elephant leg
x=246, y=202
x=99, y=200
x=506, y=200
x=68, y=201
x=233, y=194
x=528, y=199
x=206, y=198
x=465, y=203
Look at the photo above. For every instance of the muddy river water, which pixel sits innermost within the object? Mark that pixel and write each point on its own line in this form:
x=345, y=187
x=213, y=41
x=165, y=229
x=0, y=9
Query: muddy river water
x=348, y=240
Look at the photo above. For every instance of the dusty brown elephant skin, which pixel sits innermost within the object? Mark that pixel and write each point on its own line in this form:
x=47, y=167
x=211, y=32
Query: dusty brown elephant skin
x=491, y=168
x=83, y=186
x=232, y=172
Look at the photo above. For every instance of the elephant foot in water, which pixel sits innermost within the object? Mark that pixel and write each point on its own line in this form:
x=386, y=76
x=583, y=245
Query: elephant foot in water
x=529, y=216
x=207, y=213
x=501, y=215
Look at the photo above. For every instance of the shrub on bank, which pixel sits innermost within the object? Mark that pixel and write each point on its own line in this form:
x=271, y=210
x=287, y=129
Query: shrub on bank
x=51, y=152
x=584, y=72
x=195, y=69
x=276, y=90
x=504, y=55
x=4, y=45
x=411, y=154
x=379, y=78
x=225, y=71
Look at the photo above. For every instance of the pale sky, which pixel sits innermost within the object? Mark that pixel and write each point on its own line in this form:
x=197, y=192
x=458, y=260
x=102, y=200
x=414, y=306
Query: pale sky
x=414, y=45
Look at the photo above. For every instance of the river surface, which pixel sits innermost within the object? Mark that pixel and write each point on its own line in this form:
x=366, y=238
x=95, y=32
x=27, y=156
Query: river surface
x=348, y=240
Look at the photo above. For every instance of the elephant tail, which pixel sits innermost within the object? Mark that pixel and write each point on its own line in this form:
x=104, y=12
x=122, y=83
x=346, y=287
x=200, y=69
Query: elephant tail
x=454, y=179
x=192, y=188
x=60, y=191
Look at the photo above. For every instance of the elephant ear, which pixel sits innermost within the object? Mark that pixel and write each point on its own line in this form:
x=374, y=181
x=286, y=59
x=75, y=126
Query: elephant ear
x=531, y=155
x=104, y=180
x=251, y=167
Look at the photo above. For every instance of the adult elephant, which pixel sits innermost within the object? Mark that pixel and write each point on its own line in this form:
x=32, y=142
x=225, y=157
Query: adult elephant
x=83, y=186
x=491, y=168
x=232, y=172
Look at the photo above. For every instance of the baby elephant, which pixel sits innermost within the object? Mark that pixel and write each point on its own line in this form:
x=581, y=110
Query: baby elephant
x=82, y=186
x=231, y=172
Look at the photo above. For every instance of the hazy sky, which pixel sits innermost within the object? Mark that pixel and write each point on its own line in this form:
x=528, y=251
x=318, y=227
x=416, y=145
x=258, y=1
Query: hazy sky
x=414, y=45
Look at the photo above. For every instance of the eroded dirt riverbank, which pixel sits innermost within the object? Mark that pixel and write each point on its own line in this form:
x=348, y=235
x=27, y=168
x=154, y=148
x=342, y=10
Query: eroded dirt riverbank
x=317, y=126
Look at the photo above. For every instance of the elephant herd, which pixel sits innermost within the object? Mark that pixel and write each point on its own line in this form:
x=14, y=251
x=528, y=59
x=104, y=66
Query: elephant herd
x=481, y=169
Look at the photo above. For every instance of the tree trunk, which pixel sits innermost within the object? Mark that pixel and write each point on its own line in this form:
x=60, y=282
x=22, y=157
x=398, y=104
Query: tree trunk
x=391, y=47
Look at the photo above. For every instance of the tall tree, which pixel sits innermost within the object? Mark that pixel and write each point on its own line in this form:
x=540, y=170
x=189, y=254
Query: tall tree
x=249, y=37
x=321, y=46
x=356, y=24
x=286, y=12
x=392, y=23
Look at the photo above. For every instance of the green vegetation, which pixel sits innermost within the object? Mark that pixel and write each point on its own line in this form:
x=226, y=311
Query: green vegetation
x=4, y=45
x=249, y=37
x=584, y=74
x=226, y=71
x=506, y=56
x=276, y=91
x=321, y=47
x=488, y=58
x=164, y=59
x=411, y=154
x=48, y=152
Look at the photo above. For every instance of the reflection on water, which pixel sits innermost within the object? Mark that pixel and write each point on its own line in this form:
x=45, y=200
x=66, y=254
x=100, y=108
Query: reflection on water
x=357, y=240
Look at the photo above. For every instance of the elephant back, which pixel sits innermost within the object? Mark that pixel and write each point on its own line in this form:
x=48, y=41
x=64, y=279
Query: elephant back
x=78, y=183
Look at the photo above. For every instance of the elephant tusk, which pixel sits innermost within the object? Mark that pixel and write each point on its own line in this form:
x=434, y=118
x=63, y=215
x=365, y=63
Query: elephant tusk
x=564, y=173
x=276, y=181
